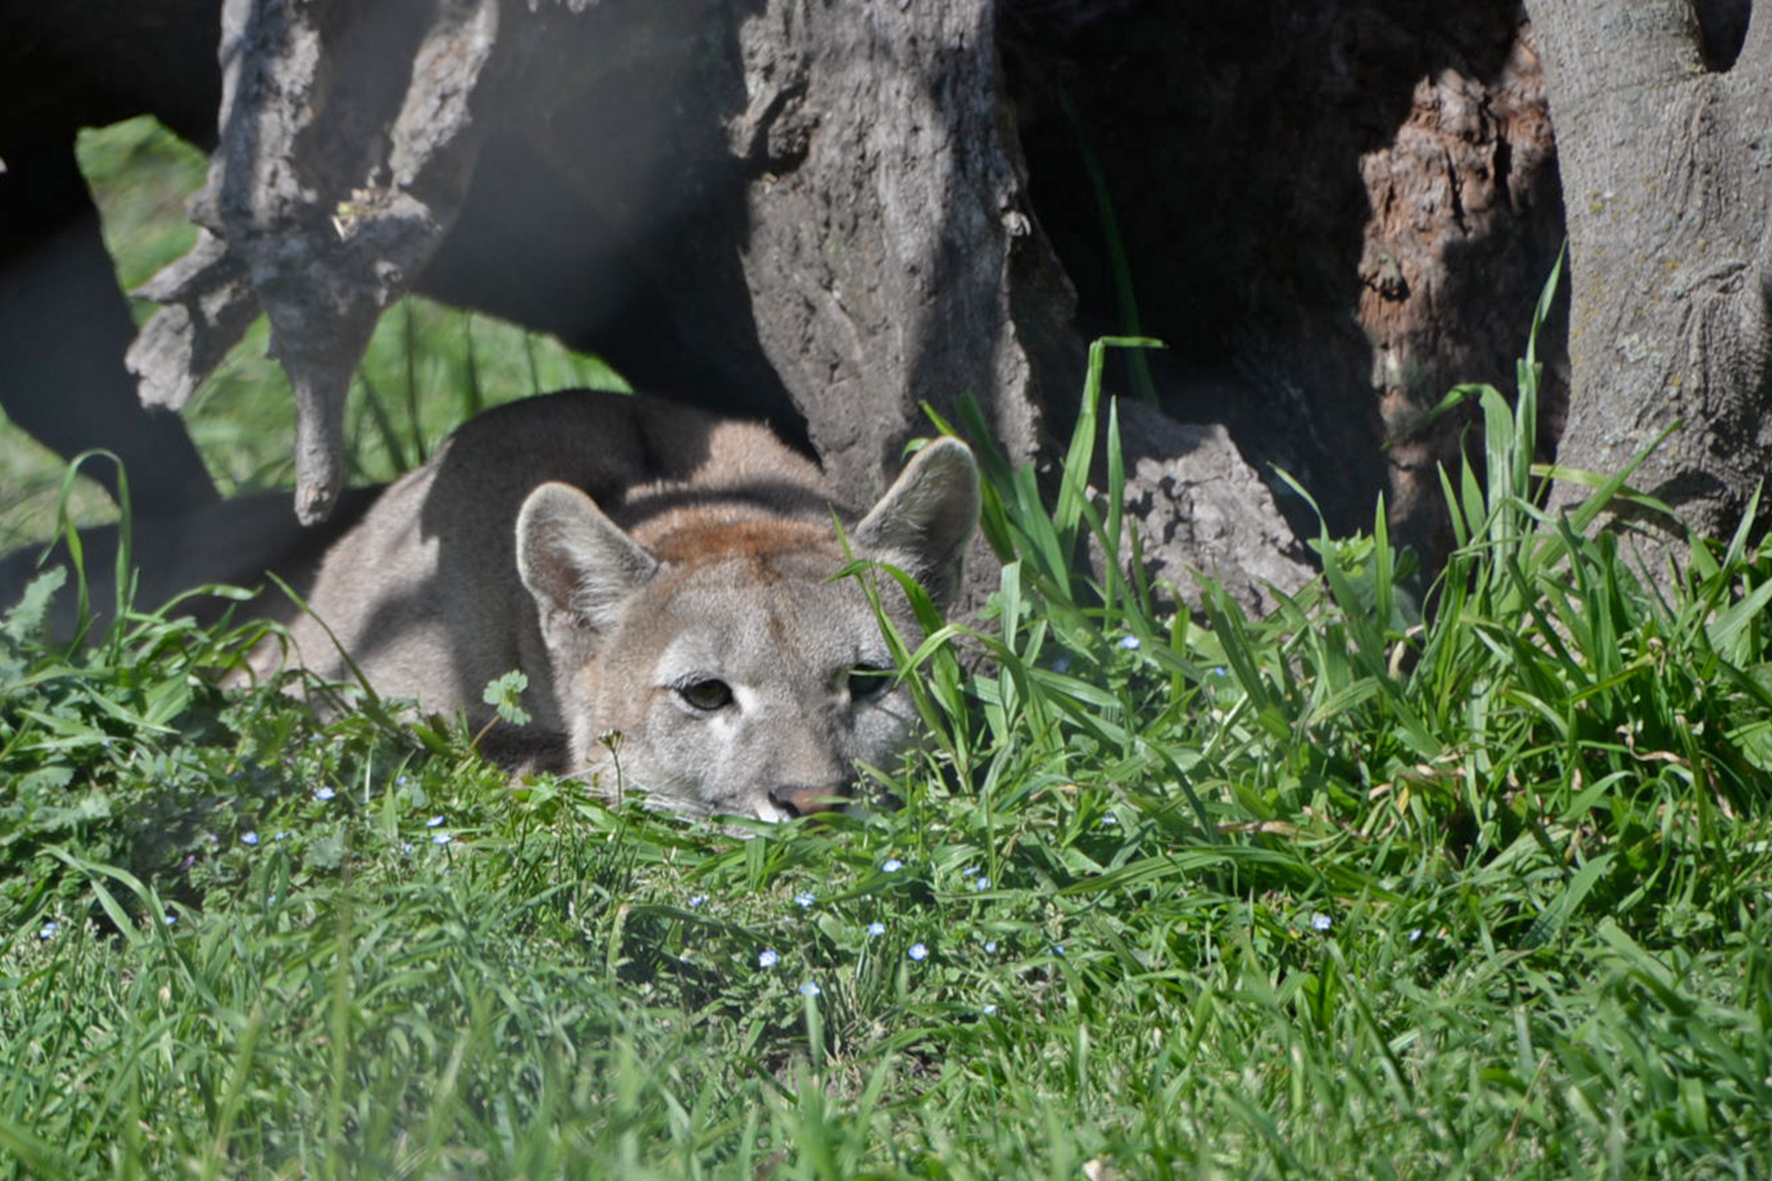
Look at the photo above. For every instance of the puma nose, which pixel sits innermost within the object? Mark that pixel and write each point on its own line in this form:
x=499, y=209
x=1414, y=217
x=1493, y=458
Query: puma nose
x=804, y=801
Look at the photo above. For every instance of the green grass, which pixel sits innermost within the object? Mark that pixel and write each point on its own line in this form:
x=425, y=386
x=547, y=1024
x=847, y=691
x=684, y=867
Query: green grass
x=1470, y=884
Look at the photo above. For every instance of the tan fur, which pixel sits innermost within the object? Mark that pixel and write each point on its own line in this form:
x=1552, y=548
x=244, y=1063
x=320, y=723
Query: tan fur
x=625, y=554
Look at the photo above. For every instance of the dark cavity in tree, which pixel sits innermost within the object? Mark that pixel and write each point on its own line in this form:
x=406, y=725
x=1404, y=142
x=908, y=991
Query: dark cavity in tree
x=1722, y=26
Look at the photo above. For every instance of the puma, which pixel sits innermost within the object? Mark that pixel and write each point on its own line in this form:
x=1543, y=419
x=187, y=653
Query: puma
x=664, y=579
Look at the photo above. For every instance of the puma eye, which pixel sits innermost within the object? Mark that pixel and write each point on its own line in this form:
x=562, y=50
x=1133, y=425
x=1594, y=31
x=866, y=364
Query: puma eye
x=708, y=696
x=868, y=681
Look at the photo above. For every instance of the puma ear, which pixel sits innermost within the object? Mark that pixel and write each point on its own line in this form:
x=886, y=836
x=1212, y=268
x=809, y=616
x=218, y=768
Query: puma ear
x=576, y=561
x=926, y=519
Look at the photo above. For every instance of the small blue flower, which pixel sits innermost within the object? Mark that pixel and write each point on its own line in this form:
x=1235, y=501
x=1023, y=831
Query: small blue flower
x=892, y=865
x=401, y=781
x=969, y=871
x=876, y=928
x=406, y=846
x=1130, y=643
x=1415, y=934
x=249, y=838
x=324, y=794
x=989, y=1010
x=282, y=836
x=271, y=900
x=918, y=952
x=1058, y=949
x=698, y=901
x=1108, y=820
x=990, y=947
x=809, y=989
x=768, y=959
x=171, y=918
x=1219, y=671
x=49, y=929
x=1321, y=922
x=434, y=822
x=441, y=838
x=805, y=899
x=982, y=884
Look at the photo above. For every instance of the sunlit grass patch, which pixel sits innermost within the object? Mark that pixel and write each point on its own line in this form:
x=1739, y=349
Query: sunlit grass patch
x=1468, y=880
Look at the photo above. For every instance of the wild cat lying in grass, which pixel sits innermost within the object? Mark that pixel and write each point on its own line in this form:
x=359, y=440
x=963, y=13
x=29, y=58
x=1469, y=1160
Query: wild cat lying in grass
x=663, y=578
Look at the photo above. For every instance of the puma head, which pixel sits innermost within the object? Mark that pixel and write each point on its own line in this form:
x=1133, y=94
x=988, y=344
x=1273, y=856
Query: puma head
x=720, y=667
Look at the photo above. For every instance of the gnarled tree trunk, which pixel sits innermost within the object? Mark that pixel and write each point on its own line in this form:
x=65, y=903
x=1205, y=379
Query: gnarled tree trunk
x=849, y=193
x=824, y=214
x=1664, y=125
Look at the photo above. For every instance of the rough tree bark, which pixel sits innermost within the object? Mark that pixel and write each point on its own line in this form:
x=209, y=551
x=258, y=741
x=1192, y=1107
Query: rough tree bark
x=882, y=238
x=329, y=190
x=1332, y=212
x=890, y=255
x=1664, y=123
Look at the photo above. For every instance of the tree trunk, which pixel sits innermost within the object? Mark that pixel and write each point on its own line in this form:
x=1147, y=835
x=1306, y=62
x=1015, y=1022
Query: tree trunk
x=890, y=253
x=1331, y=212
x=823, y=215
x=833, y=192
x=330, y=187
x=1665, y=138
